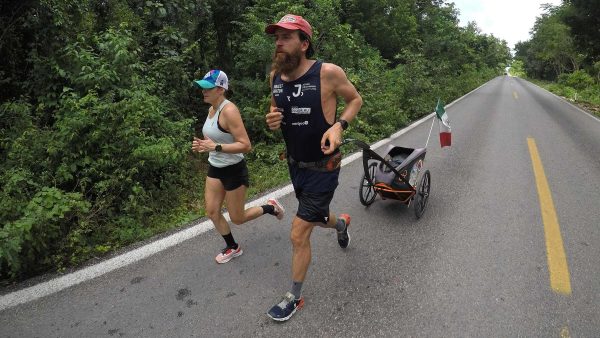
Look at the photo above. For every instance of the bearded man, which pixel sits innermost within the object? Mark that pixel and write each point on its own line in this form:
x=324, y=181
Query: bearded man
x=303, y=105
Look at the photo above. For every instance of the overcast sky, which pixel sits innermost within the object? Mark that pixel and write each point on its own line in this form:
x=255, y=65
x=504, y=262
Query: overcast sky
x=509, y=20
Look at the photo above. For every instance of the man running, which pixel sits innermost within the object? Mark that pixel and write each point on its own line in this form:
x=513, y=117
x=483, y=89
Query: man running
x=303, y=105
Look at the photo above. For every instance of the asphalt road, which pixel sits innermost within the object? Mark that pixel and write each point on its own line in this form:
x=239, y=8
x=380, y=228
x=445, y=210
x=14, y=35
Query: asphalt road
x=477, y=264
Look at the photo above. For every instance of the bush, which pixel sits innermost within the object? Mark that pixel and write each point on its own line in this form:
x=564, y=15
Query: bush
x=578, y=79
x=27, y=243
x=109, y=157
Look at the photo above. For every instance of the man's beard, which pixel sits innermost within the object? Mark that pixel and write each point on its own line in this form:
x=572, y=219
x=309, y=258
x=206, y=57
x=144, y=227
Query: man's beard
x=286, y=62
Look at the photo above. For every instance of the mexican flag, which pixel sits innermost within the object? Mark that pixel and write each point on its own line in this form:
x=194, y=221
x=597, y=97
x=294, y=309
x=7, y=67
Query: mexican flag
x=444, y=124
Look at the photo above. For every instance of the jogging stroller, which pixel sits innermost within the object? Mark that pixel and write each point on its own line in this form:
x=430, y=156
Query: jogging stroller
x=399, y=175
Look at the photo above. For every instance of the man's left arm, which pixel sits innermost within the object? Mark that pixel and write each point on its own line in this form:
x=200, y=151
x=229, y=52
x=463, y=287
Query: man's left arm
x=352, y=103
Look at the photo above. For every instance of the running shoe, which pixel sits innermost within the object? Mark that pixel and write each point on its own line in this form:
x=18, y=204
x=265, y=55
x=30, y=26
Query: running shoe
x=344, y=236
x=279, y=209
x=286, y=308
x=228, y=254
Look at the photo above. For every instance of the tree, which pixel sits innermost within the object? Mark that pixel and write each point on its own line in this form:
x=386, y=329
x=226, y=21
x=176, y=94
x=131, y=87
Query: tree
x=551, y=50
x=583, y=18
x=388, y=25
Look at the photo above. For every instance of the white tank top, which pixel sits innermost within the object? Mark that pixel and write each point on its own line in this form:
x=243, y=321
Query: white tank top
x=218, y=135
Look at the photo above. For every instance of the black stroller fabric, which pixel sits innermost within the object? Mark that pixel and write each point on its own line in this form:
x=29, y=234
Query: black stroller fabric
x=406, y=161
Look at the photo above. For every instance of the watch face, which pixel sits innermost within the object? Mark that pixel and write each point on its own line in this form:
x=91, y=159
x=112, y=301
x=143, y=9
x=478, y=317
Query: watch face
x=218, y=147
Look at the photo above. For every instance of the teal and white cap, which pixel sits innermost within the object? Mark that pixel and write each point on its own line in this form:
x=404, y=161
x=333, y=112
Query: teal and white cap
x=212, y=79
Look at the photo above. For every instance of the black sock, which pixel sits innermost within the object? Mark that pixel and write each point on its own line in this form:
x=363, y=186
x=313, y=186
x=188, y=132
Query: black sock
x=268, y=209
x=230, y=241
x=296, y=289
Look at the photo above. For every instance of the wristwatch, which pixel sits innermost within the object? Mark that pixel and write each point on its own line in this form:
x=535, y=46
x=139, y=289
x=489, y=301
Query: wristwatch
x=344, y=124
x=219, y=147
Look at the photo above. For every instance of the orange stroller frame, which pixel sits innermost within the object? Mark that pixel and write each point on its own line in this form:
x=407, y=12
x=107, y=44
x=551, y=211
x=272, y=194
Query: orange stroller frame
x=398, y=175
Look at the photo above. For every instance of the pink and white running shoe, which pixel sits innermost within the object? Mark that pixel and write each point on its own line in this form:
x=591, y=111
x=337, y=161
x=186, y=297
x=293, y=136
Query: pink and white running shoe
x=228, y=254
x=279, y=209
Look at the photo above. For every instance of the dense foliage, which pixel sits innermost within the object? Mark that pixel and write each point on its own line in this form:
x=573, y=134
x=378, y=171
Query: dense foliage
x=565, y=49
x=97, y=109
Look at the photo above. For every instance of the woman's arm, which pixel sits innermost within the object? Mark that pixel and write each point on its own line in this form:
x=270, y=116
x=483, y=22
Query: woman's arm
x=230, y=119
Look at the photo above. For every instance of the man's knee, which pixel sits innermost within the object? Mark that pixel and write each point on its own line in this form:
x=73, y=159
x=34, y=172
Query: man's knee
x=300, y=238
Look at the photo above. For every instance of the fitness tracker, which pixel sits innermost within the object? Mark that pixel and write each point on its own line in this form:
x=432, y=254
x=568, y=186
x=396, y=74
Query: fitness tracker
x=344, y=124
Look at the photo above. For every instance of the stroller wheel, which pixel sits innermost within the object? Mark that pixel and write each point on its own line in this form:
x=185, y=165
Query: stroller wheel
x=422, y=194
x=367, y=192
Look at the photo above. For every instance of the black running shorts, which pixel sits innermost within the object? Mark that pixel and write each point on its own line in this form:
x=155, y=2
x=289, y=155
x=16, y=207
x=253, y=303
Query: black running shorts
x=314, y=206
x=232, y=176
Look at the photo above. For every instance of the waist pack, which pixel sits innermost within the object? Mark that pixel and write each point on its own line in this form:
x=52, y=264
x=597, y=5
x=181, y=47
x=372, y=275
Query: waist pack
x=329, y=163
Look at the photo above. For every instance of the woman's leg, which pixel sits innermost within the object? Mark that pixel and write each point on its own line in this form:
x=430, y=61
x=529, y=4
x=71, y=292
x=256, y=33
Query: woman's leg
x=236, y=200
x=214, y=195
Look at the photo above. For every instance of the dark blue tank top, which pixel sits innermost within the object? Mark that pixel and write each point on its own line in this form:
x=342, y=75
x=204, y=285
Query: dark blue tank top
x=303, y=126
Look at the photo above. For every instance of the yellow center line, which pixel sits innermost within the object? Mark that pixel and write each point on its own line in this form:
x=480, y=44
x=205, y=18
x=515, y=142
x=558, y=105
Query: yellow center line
x=560, y=280
x=515, y=95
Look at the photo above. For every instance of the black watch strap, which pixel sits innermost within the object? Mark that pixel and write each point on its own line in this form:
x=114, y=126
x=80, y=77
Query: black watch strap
x=219, y=147
x=344, y=124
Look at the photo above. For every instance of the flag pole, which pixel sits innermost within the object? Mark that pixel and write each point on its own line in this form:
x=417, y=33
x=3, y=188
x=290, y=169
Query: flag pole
x=430, y=129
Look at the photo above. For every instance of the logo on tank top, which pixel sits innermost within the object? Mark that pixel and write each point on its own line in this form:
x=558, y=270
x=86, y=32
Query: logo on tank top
x=301, y=110
x=297, y=92
x=300, y=123
x=301, y=88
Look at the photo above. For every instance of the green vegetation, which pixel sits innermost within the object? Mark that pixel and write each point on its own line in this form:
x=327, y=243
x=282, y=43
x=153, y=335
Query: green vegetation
x=97, y=107
x=563, y=54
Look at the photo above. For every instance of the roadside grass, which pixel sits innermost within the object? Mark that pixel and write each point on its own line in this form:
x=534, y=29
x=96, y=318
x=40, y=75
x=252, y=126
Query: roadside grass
x=587, y=99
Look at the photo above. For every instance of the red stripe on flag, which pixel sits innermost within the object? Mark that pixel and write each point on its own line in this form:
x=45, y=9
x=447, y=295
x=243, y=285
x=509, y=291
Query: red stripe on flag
x=445, y=139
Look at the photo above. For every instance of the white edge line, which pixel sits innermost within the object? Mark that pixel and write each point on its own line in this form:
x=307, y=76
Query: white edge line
x=60, y=283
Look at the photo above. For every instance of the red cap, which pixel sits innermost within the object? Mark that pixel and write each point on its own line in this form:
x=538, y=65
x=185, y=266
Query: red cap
x=292, y=22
